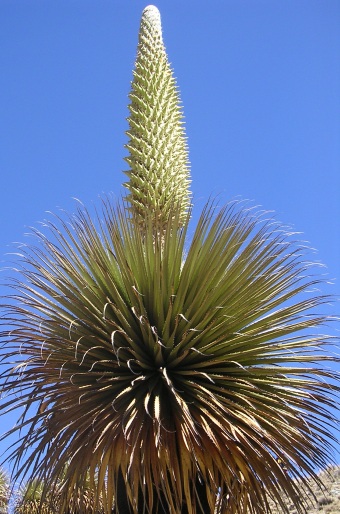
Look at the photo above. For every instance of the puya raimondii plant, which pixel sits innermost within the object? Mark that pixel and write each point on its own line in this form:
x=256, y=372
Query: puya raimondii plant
x=165, y=373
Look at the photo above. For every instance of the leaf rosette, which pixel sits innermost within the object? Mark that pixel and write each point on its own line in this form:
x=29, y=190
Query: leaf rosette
x=170, y=363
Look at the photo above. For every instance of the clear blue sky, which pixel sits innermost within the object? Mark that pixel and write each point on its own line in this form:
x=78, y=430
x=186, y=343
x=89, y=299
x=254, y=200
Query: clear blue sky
x=260, y=84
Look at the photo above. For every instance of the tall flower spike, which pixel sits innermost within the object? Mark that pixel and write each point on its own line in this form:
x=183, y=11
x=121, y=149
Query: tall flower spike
x=158, y=153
